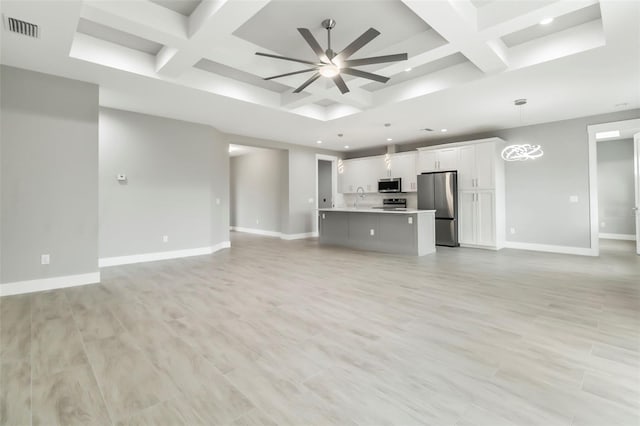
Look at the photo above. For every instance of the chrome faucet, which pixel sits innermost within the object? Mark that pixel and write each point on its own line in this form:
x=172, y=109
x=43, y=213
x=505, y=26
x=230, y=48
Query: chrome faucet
x=359, y=194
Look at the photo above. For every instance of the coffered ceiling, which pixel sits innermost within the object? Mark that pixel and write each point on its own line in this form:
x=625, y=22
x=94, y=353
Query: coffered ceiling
x=468, y=61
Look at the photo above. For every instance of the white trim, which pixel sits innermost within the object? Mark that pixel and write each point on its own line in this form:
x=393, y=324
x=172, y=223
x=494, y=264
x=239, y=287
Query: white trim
x=334, y=188
x=31, y=286
x=163, y=255
x=298, y=236
x=581, y=251
x=275, y=234
x=593, y=173
x=626, y=237
x=256, y=231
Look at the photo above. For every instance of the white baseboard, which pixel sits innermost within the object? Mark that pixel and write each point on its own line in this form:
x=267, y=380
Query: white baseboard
x=275, y=234
x=626, y=237
x=256, y=231
x=31, y=286
x=299, y=236
x=550, y=248
x=163, y=255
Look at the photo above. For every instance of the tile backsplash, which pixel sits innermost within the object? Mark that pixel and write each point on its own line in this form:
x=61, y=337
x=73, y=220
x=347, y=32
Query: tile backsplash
x=375, y=199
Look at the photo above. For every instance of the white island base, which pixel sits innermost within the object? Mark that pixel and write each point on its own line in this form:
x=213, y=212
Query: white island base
x=410, y=232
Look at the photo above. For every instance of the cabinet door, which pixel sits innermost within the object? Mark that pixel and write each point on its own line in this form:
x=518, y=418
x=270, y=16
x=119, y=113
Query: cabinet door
x=427, y=161
x=448, y=159
x=485, y=158
x=466, y=217
x=466, y=167
x=404, y=166
x=485, y=218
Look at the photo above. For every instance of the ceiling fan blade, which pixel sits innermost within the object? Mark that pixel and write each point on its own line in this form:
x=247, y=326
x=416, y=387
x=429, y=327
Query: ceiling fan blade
x=308, y=82
x=290, y=73
x=340, y=83
x=364, y=74
x=376, y=60
x=358, y=43
x=312, y=42
x=302, y=61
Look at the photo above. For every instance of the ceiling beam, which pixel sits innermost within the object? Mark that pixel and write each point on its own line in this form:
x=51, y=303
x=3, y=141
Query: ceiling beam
x=211, y=22
x=453, y=23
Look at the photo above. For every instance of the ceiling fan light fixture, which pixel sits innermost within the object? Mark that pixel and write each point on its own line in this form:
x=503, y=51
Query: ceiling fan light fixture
x=329, y=71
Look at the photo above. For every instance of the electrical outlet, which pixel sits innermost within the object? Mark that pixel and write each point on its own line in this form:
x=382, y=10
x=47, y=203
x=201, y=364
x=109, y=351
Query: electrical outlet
x=410, y=220
x=603, y=225
x=573, y=199
x=310, y=200
x=372, y=232
x=45, y=259
x=165, y=238
x=217, y=201
x=512, y=230
x=257, y=221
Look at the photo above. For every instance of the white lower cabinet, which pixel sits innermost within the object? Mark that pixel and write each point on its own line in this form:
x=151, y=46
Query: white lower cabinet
x=477, y=218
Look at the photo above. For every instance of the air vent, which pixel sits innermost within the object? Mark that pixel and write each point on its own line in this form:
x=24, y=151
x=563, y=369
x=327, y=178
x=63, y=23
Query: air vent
x=22, y=27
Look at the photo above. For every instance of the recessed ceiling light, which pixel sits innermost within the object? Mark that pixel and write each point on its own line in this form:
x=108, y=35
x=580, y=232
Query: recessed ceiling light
x=546, y=21
x=608, y=134
x=444, y=130
x=318, y=141
x=408, y=69
x=389, y=139
x=346, y=147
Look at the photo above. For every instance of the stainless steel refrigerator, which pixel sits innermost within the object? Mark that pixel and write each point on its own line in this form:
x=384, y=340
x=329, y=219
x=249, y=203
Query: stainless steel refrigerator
x=439, y=191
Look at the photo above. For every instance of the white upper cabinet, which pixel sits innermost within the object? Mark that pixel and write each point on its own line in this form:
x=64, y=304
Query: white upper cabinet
x=403, y=165
x=476, y=166
x=362, y=172
x=434, y=160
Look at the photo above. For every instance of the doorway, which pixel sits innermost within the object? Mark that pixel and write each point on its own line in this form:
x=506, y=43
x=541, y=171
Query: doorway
x=326, y=184
x=325, y=197
x=614, y=185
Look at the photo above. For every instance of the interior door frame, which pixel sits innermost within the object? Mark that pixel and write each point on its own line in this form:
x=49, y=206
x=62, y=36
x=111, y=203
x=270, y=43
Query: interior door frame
x=622, y=126
x=636, y=175
x=334, y=185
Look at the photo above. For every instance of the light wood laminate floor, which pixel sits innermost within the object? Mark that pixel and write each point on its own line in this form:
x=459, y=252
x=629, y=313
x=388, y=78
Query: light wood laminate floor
x=293, y=333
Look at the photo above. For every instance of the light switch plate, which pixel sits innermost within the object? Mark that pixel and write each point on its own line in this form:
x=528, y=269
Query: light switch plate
x=45, y=259
x=372, y=232
x=165, y=238
x=218, y=201
x=573, y=198
x=410, y=220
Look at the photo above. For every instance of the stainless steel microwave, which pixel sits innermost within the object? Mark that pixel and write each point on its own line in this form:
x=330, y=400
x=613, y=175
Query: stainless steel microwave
x=390, y=185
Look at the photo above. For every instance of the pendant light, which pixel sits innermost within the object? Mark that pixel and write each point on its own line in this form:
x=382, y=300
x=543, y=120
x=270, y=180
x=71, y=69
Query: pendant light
x=521, y=152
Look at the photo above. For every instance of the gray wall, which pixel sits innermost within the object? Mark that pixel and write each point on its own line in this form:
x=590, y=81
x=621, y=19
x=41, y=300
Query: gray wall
x=324, y=184
x=300, y=179
x=49, y=179
x=257, y=189
x=537, y=192
x=176, y=173
x=616, y=197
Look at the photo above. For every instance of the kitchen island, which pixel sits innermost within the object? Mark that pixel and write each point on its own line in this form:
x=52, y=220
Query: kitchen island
x=399, y=231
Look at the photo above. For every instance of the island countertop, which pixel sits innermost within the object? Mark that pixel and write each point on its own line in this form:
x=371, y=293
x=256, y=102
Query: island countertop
x=372, y=210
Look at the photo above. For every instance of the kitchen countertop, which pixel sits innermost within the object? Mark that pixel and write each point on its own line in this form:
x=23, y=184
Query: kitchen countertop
x=372, y=210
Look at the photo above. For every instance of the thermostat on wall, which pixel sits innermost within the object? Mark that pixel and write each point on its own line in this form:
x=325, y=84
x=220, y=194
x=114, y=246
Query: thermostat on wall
x=121, y=178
